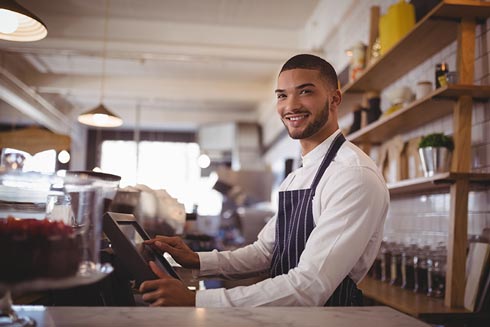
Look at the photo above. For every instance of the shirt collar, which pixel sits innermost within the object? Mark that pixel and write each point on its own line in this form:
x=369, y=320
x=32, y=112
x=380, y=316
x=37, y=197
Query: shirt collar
x=316, y=155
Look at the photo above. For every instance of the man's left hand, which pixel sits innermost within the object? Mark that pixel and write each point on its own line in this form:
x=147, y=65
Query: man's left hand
x=166, y=291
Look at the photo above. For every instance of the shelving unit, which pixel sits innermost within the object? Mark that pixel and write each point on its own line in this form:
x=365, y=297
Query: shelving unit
x=420, y=112
x=421, y=306
x=441, y=181
x=449, y=21
x=431, y=34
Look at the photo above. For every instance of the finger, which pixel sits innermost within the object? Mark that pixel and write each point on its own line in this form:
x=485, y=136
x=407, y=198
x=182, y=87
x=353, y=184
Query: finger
x=171, y=240
x=151, y=296
x=149, y=285
x=164, y=247
x=158, y=303
x=158, y=271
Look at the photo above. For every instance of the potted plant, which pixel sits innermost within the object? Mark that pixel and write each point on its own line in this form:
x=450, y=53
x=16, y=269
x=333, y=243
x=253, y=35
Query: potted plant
x=435, y=153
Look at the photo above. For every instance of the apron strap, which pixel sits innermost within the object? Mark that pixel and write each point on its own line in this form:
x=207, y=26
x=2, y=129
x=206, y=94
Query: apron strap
x=346, y=295
x=331, y=153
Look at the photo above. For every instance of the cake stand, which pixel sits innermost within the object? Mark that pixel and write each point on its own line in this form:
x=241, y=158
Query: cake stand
x=87, y=274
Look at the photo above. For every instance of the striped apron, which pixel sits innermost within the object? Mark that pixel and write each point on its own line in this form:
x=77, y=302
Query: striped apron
x=293, y=227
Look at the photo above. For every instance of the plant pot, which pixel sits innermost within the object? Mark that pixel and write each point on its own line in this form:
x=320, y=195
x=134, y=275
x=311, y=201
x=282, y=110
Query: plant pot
x=435, y=160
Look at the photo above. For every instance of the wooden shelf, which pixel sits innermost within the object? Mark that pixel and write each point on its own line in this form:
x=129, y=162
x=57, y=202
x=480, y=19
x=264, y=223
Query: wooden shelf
x=430, y=35
x=414, y=304
x=436, y=182
x=420, y=112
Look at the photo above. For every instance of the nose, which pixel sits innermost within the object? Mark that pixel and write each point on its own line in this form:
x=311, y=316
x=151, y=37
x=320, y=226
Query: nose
x=292, y=103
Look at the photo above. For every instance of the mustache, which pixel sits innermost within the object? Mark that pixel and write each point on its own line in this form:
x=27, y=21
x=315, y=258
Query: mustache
x=296, y=112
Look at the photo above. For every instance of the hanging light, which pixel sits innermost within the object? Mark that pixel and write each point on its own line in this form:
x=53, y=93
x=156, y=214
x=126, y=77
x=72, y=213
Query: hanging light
x=100, y=116
x=19, y=24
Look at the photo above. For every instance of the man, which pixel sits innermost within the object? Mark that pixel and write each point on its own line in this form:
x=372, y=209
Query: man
x=329, y=223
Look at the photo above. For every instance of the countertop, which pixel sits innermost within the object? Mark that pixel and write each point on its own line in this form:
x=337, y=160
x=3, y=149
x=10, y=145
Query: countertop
x=218, y=317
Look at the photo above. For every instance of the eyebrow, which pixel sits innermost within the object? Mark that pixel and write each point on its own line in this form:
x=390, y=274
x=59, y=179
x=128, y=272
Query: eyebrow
x=299, y=87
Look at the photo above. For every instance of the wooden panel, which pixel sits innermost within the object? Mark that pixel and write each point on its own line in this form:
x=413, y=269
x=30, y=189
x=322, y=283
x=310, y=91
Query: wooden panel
x=435, y=105
x=34, y=140
x=462, y=135
x=466, y=51
x=457, y=241
x=414, y=304
x=462, y=9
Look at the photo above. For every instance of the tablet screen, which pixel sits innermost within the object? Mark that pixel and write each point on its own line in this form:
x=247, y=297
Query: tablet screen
x=131, y=233
x=130, y=229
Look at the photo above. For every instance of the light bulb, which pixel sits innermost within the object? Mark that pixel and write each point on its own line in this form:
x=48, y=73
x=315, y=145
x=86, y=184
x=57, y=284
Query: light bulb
x=203, y=161
x=8, y=21
x=64, y=157
x=101, y=119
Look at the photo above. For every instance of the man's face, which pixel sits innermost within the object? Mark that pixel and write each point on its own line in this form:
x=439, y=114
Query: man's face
x=302, y=102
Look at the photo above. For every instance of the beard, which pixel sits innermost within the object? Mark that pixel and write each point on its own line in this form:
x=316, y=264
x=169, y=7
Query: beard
x=319, y=121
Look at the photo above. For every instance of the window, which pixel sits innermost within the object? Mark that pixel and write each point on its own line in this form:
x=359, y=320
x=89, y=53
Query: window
x=171, y=166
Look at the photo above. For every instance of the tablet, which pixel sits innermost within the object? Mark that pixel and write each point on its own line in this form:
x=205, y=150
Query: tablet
x=127, y=237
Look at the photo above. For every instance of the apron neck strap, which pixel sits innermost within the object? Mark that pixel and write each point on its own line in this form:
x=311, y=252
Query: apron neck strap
x=329, y=156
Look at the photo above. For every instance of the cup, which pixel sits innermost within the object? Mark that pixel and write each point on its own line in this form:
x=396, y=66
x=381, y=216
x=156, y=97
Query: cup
x=423, y=89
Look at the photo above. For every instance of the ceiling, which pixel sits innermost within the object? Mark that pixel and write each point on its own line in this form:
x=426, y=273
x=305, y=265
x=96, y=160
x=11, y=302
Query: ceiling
x=163, y=64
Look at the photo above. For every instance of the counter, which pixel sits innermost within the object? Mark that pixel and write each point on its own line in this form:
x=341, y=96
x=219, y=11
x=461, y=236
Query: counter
x=219, y=317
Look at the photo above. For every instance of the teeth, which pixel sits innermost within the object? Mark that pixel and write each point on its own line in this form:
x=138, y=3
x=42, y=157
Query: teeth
x=296, y=118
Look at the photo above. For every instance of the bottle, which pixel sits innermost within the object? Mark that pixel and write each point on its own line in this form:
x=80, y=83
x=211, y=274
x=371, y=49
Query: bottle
x=385, y=262
x=420, y=271
x=408, y=281
x=396, y=267
x=436, y=274
x=441, y=74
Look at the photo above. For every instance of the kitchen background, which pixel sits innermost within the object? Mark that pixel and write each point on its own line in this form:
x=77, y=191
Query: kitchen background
x=232, y=113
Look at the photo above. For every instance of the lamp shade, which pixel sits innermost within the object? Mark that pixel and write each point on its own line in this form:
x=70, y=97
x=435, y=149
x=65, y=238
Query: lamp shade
x=100, y=117
x=19, y=24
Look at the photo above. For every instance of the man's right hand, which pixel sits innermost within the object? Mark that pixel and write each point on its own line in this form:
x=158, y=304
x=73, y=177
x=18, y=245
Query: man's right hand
x=176, y=247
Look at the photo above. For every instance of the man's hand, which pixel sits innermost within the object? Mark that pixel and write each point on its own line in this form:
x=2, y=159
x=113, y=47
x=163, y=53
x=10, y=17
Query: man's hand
x=177, y=249
x=166, y=291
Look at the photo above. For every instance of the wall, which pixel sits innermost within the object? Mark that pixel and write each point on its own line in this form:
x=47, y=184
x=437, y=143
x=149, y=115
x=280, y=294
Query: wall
x=422, y=218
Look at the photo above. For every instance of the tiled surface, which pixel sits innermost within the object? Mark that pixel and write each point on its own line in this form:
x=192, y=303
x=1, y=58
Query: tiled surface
x=424, y=218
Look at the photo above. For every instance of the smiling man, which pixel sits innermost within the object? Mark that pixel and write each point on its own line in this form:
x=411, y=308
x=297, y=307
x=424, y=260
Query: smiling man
x=329, y=223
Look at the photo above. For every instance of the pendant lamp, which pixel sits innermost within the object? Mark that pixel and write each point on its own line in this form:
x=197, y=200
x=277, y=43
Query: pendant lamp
x=19, y=24
x=100, y=116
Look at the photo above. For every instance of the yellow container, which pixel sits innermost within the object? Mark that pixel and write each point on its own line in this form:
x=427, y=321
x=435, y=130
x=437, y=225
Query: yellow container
x=398, y=21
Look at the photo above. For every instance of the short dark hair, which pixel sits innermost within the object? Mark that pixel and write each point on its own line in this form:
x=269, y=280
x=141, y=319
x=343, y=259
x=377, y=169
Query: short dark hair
x=308, y=61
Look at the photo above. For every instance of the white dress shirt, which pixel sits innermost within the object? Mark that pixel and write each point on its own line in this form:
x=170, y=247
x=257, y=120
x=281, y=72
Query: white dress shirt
x=349, y=210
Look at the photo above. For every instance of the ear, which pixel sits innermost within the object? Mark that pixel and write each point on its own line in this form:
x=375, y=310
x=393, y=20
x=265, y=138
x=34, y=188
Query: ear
x=336, y=99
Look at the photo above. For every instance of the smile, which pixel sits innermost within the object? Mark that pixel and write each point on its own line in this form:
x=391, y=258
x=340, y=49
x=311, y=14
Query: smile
x=296, y=117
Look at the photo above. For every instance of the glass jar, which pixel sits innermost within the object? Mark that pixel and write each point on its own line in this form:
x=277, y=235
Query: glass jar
x=375, y=271
x=436, y=274
x=385, y=262
x=396, y=266
x=408, y=280
x=420, y=271
x=55, y=222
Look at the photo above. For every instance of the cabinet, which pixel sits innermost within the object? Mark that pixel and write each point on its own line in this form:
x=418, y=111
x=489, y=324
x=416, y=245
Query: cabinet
x=449, y=21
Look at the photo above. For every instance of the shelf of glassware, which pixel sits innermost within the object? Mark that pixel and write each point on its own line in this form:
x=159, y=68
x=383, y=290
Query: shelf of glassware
x=415, y=304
